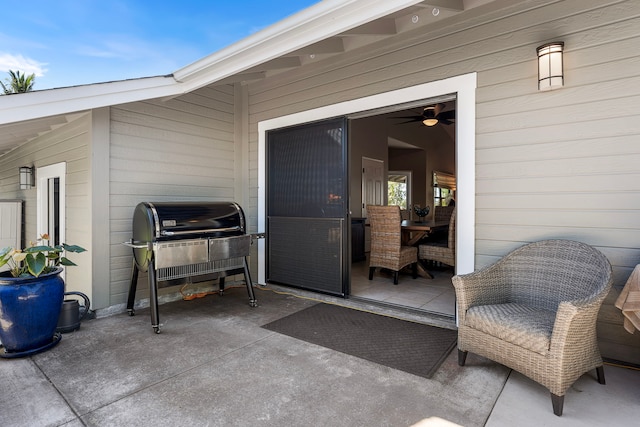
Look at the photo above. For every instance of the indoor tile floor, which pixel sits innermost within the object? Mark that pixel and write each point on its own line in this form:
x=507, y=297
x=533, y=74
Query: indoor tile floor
x=431, y=295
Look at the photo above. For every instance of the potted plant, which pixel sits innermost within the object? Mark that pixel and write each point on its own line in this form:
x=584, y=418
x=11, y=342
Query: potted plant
x=421, y=212
x=31, y=295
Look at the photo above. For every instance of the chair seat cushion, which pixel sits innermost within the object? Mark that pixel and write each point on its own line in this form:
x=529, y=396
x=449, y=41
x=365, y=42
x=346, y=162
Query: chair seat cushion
x=521, y=325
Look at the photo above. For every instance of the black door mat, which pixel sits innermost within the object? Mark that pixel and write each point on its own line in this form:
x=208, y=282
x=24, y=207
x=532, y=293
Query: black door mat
x=399, y=344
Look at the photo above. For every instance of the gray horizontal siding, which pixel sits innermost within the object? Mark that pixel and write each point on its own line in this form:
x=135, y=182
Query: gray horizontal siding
x=548, y=164
x=176, y=150
x=68, y=143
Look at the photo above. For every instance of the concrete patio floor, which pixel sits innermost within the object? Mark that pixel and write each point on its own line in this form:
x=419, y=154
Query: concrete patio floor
x=212, y=364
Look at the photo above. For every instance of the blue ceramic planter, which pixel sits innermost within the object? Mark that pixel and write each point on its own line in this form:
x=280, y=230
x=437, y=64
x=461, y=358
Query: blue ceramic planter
x=29, y=311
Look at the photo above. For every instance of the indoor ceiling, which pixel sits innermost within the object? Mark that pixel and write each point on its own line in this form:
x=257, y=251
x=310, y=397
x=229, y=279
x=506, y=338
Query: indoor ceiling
x=406, y=134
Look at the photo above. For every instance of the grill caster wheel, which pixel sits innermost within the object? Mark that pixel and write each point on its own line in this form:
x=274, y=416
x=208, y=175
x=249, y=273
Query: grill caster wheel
x=253, y=303
x=156, y=329
x=132, y=312
x=221, y=292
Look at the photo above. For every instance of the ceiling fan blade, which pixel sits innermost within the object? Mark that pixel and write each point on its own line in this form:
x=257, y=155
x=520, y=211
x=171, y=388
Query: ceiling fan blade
x=447, y=115
x=409, y=121
x=414, y=117
x=445, y=121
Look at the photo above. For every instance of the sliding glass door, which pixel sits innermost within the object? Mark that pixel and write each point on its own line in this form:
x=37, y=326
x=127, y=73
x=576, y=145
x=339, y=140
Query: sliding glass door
x=307, y=206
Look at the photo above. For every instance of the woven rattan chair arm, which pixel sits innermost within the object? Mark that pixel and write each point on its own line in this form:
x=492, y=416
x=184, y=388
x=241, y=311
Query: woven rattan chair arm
x=573, y=318
x=485, y=286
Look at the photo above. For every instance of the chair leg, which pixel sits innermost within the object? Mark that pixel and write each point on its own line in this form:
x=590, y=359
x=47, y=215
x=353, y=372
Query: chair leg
x=414, y=270
x=558, y=403
x=600, y=373
x=462, y=357
x=371, y=270
x=395, y=277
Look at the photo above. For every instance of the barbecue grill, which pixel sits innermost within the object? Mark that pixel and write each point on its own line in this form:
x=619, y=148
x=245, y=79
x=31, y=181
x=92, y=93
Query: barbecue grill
x=178, y=240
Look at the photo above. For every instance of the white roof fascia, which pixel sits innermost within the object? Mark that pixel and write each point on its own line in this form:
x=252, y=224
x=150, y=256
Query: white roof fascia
x=37, y=104
x=314, y=24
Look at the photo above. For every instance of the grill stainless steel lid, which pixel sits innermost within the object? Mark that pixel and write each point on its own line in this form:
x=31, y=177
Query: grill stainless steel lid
x=155, y=222
x=173, y=240
x=170, y=220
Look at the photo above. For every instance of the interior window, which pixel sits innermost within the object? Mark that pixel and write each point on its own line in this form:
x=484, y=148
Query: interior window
x=398, y=189
x=444, y=186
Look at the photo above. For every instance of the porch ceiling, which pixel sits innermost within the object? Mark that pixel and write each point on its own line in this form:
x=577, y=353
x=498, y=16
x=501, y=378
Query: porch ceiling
x=15, y=134
x=418, y=15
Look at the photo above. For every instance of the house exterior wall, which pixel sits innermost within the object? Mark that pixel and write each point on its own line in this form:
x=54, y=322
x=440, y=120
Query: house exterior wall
x=561, y=164
x=180, y=149
x=68, y=143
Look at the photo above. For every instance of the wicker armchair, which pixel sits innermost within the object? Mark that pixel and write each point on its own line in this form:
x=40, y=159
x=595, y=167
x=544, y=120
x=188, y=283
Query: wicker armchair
x=444, y=253
x=386, y=242
x=535, y=311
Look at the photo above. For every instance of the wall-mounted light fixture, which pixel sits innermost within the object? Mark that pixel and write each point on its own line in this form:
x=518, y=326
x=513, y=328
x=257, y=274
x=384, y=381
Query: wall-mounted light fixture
x=26, y=177
x=550, y=69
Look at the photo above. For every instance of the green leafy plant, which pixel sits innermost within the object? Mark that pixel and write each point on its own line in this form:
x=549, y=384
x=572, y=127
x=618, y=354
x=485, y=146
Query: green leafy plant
x=36, y=260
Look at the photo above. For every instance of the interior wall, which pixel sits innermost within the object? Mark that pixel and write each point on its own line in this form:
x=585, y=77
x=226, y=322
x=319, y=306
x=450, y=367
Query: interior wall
x=367, y=138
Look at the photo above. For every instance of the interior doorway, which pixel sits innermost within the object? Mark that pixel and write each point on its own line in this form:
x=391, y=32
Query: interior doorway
x=373, y=177
x=410, y=153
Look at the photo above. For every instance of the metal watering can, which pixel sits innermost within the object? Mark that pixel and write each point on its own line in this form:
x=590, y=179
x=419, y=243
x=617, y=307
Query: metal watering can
x=72, y=312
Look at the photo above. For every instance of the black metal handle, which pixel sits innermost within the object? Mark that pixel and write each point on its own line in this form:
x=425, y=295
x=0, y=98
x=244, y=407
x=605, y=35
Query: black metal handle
x=208, y=230
x=87, y=303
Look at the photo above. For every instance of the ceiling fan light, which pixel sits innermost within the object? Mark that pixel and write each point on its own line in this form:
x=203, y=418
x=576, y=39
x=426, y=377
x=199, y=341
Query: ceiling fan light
x=429, y=115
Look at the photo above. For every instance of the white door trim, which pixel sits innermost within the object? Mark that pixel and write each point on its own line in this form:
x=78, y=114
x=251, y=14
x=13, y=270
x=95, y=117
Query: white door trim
x=464, y=88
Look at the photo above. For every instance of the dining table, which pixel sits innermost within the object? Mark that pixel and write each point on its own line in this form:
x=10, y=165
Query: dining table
x=414, y=231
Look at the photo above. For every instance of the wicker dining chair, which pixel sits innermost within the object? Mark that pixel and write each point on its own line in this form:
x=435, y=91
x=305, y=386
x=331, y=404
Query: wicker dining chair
x=442, y=252
x=535, y=311
x=442, y=213
x=387, y=250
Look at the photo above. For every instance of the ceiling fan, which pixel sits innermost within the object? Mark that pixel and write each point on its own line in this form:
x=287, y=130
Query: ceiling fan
x=432, y=115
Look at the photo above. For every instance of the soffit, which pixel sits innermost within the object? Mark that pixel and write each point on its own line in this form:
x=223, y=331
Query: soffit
x=12, y=135
x=421, y=14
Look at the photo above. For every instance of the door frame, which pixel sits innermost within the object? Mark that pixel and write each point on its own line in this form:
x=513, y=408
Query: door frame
x=43, y=175
x=464, y=88
x=363, y=190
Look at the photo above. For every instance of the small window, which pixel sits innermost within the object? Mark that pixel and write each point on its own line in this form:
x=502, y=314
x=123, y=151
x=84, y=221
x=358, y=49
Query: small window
x=399, y=189
x=444, y=186
x=441, y=196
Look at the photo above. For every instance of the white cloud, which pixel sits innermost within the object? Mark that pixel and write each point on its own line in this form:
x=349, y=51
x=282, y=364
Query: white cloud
x=20, y=63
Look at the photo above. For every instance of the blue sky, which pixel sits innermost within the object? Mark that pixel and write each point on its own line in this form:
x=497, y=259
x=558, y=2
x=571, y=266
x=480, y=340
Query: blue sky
x=72, y=42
